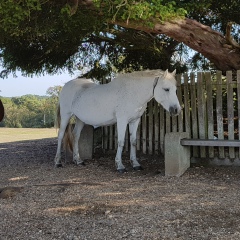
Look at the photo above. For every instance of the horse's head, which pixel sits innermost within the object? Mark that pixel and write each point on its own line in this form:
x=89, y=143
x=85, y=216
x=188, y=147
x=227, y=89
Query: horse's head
x=165, y=92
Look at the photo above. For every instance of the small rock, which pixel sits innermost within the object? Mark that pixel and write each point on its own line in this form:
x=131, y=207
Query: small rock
x=107, y=212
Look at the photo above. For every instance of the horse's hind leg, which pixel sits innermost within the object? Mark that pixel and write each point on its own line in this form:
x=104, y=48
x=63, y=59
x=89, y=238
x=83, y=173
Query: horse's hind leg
x=76, y=133
x=63, y=125
x=133, y=140
x=121, y=128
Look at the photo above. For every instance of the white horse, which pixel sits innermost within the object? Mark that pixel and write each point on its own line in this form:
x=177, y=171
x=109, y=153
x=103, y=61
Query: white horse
x=121, y=101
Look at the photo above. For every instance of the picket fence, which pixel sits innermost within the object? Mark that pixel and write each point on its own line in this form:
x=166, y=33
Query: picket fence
x=211, y=110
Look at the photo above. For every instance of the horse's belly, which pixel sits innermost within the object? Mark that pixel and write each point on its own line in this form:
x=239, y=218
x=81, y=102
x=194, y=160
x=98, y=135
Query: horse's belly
x=99, y=122
x=96, y=118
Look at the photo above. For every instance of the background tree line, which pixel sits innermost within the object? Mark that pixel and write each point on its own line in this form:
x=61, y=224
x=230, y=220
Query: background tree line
x=31, y=111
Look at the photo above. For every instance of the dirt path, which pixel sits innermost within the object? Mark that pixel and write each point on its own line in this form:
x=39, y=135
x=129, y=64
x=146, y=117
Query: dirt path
x=95, y=202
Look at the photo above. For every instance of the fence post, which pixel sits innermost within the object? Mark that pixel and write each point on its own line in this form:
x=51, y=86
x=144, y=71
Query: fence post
x=219, y=112
x=201, y=111
x=230, y=112
x=238, y=97
x=179, y=94
x=210, y=121
x=194, y=113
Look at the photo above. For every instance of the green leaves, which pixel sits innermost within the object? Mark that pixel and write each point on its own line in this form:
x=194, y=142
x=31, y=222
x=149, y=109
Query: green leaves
x=30, y=111
x=38, y=36
x=141, y=10
x=13, y=13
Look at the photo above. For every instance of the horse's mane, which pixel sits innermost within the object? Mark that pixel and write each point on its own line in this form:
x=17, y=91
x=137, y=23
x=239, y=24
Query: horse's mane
x=145, y=73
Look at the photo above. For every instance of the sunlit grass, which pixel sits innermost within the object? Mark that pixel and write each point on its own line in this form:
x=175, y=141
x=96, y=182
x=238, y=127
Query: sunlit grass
x=20, y=134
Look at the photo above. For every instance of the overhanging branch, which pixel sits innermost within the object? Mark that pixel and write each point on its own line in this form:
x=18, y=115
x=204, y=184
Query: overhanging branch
x=229, y=38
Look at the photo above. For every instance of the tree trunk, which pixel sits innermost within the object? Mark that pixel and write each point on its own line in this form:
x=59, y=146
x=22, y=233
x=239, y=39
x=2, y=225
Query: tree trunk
x=210, y=43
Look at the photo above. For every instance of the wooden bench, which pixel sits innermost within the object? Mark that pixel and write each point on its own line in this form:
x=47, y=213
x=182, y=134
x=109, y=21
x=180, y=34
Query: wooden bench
x=210, y=142
x=177, y=150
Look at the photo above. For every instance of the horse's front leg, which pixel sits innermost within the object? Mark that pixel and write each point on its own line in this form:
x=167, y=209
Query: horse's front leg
x=76, y=133
x=121, y=128
x=133, y=141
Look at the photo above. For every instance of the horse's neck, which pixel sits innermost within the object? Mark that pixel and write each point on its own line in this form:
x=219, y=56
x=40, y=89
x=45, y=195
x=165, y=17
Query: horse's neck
x=143, y=88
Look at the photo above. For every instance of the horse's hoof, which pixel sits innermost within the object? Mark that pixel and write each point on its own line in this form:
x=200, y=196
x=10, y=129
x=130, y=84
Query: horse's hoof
x=137, y=168
x=81, y=164
x=124, y=170
x=58, y=165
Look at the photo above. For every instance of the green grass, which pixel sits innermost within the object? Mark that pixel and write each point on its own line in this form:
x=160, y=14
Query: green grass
x=20, y=134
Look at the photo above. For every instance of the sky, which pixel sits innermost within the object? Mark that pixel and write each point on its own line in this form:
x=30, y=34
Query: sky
x=19, y=86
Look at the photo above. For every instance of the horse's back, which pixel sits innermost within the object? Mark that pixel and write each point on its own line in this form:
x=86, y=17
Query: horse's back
x=76, y=85
x=70, y=89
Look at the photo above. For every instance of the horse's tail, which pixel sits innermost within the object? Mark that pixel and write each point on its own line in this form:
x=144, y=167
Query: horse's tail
x=58, y=117
x=68, y=135
x=68, y=138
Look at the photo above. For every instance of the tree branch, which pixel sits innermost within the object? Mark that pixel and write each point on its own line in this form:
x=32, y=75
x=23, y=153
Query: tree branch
x=197, y=36
x=229, y=38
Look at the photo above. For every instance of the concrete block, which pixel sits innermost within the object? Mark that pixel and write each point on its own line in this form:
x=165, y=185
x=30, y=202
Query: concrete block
x=86, y=143
x=177, y=157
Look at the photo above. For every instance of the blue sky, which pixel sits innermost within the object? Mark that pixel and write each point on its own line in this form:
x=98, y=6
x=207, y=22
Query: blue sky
x=19, y=86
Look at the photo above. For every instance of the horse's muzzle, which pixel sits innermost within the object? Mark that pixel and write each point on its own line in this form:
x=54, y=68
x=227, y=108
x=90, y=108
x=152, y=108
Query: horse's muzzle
x=174, y=110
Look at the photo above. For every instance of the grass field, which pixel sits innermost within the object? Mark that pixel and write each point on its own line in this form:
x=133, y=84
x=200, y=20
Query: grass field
x=20, y=134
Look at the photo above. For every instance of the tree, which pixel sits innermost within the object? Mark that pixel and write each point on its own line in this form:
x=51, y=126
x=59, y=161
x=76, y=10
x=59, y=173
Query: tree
x=51, y=103
x=29, y=111
x=51, y=35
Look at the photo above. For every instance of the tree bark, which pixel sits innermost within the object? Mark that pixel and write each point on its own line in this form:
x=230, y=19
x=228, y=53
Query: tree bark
x=210, y=43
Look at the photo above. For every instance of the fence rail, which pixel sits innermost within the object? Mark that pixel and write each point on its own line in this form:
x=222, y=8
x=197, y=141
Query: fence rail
x=211, y=110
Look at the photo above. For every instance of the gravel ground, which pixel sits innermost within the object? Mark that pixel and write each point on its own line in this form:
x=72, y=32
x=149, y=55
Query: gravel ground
x=38, y=201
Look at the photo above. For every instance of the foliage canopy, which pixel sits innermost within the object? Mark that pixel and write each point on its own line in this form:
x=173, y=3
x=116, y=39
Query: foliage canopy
x=38, y=36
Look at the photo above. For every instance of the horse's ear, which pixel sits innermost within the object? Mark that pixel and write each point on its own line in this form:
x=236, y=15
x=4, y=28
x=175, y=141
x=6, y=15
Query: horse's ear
x=165, y=74
x=174, y=72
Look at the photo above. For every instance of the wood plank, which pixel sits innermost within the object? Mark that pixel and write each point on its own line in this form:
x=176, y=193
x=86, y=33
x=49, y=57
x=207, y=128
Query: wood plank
x=238, y=103
x=174, y=124
x=210, y=120
x=156, y=127
x=105, y=137
x=111, y=137
x=105, y=129
x=150, y=127
x=230, y=112
x=116, y=137
x=144, y=134
x=162, y=129
x=194, y=120
x=219, y=112
x=186, y=104
x=139, y=135
x=126, y=142
x=201, y=111
x=210, y=142
x=179, y=94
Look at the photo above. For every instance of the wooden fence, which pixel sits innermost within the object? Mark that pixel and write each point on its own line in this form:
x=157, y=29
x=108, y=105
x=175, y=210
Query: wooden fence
x=211, y=109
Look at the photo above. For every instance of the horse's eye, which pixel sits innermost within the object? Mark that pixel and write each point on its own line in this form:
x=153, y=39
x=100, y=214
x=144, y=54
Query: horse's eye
x=166, y=89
